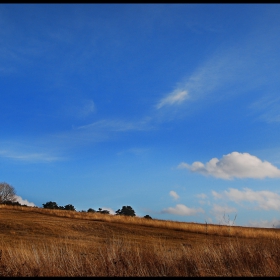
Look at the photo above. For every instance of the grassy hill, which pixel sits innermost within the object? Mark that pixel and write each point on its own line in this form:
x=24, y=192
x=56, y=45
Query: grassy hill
x=43, y=242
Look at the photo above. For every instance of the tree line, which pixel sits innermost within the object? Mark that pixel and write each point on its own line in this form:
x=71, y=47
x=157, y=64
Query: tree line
x=8, y=197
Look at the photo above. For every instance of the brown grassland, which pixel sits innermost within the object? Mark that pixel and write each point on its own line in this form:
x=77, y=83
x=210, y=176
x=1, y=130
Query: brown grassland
x=43, y=242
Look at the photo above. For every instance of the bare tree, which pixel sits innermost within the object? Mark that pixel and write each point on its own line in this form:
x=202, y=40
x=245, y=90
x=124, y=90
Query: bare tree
x=7, y=193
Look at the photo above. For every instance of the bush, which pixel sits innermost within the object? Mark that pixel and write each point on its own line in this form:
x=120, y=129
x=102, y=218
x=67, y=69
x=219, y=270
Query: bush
x=147, y=217
x=69, y=207
x=14, y=203
x=51, y=205
x=103, y=211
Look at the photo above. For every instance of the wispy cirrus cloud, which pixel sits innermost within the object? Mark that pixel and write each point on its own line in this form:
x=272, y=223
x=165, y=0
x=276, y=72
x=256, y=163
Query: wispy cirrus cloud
x=182, y=210
x=268, y=108
x=238, y=165
x=232, y=70
x=117, y=125
x=29, y=157
x=175, y=97
x=26, y=155
x=77, y=108
x=220, y=72
x=265, y=200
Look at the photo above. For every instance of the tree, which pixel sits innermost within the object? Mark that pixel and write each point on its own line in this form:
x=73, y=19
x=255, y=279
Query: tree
x=90, y=210
x=147, y=217
x=103, y=211
x=126, y=211
x=51, y=205
x=69, y=207
x=7, y=193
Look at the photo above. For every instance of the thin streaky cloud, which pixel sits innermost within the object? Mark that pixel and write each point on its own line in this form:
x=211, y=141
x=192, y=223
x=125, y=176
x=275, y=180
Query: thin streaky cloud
x=116, y=125
x=220, y=71
x=232, y=70
x=29, y=157
x=176, y=97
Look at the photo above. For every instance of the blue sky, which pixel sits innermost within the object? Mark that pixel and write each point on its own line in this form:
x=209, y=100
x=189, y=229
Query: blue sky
x=171, y=109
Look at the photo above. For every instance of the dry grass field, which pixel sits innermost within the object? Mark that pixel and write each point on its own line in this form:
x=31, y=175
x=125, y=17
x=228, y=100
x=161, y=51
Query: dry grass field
x=43, y=242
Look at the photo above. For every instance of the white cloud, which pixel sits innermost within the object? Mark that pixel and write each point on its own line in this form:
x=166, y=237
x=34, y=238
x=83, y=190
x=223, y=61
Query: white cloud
x=29, y=157
x=182, y=210
x=239, y=165
x=265, y=200
x=175, y=97
x=174, y=195
x=24, y=201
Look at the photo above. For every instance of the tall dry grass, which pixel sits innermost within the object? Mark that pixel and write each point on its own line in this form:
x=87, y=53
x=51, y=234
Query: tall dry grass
x=210, y=229
x=225, y=251
x=119, y=257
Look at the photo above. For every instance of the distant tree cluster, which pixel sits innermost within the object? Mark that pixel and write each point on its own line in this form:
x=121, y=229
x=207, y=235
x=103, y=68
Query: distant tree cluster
x=8, y=197
x=100, y=210
x=53, y=205
x=125, y=211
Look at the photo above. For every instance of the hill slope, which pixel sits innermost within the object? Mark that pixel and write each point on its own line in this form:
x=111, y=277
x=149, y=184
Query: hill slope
x=41, y=242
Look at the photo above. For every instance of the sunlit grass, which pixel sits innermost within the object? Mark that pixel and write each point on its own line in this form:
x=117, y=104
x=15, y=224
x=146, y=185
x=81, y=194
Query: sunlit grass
x=43, y=242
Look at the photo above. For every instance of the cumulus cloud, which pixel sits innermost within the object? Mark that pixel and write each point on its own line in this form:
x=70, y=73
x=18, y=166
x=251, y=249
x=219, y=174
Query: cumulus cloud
x=175, y=97
x=174, y=195
x=239, y=165
x=182, y=210
x=24, y=201
x=265, y=200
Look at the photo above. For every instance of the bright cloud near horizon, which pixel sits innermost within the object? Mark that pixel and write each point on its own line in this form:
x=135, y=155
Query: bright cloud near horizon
x=172, y=109
x=239, y=165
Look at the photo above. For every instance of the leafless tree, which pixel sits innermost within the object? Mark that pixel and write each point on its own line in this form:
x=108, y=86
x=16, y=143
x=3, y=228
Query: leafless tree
x=7, y=192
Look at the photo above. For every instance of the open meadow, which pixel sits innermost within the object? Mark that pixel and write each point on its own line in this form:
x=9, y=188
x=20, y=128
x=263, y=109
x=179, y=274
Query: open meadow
x=44, y=242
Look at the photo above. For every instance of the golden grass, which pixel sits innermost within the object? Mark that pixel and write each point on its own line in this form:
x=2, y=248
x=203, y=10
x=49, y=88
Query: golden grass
x=42, y=242
x=210, y=229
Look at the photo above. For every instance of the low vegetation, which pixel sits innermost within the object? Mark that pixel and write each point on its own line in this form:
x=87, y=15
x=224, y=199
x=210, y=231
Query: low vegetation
x=50, y=242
